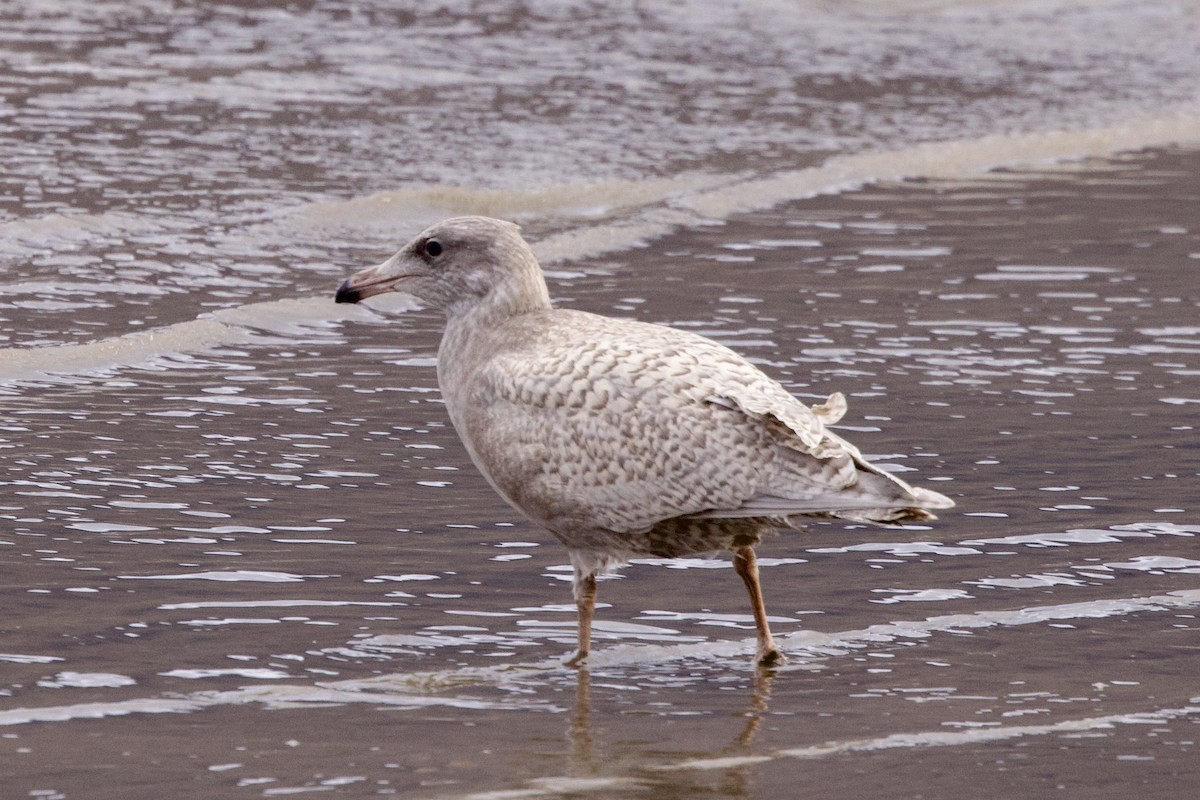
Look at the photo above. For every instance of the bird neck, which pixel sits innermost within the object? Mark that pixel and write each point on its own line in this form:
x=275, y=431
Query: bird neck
x=520, y=293
x=472, y=327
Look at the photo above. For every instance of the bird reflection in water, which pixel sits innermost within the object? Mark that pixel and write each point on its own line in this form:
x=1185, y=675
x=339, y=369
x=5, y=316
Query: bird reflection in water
x=584, y=761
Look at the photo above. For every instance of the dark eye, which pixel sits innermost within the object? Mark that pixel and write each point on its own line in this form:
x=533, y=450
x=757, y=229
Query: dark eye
x=433, y=248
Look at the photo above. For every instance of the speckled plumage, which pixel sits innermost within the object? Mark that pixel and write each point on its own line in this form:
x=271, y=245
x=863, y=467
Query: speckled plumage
x=624, y=438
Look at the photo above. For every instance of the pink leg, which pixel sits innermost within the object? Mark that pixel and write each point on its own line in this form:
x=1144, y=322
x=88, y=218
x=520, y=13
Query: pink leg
x=585, y=600
x=746, y=565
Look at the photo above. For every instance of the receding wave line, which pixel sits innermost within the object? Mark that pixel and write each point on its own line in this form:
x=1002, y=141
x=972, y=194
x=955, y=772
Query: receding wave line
x=223, y=328
x=591, y=219
x=25, y=363
x=582, y=199
x=604, y=217
x=961, y=159
x=964, y=158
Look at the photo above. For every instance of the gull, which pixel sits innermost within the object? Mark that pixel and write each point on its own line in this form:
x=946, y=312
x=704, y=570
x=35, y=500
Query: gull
x=625, y=438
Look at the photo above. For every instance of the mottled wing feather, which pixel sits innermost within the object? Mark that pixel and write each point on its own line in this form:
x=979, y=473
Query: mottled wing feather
x=815, y=470
x=614, y=433
x=622, y=425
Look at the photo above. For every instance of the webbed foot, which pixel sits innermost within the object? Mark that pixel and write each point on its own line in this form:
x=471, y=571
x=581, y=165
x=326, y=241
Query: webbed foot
x=769, y=657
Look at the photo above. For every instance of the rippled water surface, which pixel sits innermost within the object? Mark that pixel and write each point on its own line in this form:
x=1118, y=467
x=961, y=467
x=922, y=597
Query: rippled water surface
x=244, y=554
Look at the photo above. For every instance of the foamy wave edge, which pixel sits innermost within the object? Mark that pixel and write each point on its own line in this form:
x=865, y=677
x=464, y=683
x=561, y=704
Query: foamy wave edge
x=224, y=328
x=947, y=160
x=589, y=220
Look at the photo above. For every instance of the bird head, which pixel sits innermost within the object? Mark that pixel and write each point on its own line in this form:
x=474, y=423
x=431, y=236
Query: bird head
x=457, y=265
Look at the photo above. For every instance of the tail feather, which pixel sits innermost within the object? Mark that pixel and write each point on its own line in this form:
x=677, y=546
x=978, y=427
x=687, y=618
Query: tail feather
x=876, y=497
x=815, y=472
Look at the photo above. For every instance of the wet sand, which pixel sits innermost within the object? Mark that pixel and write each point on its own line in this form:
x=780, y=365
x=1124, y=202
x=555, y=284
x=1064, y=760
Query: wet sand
x=267, y=567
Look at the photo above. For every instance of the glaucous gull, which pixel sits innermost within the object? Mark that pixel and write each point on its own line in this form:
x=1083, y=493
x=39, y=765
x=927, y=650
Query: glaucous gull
x=625, y=438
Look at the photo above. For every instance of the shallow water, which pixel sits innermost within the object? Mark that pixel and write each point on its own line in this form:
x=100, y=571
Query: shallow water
x=245, y=555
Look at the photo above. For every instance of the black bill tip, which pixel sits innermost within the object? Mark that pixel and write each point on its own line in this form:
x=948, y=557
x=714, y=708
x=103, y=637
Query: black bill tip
x=347, y=293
